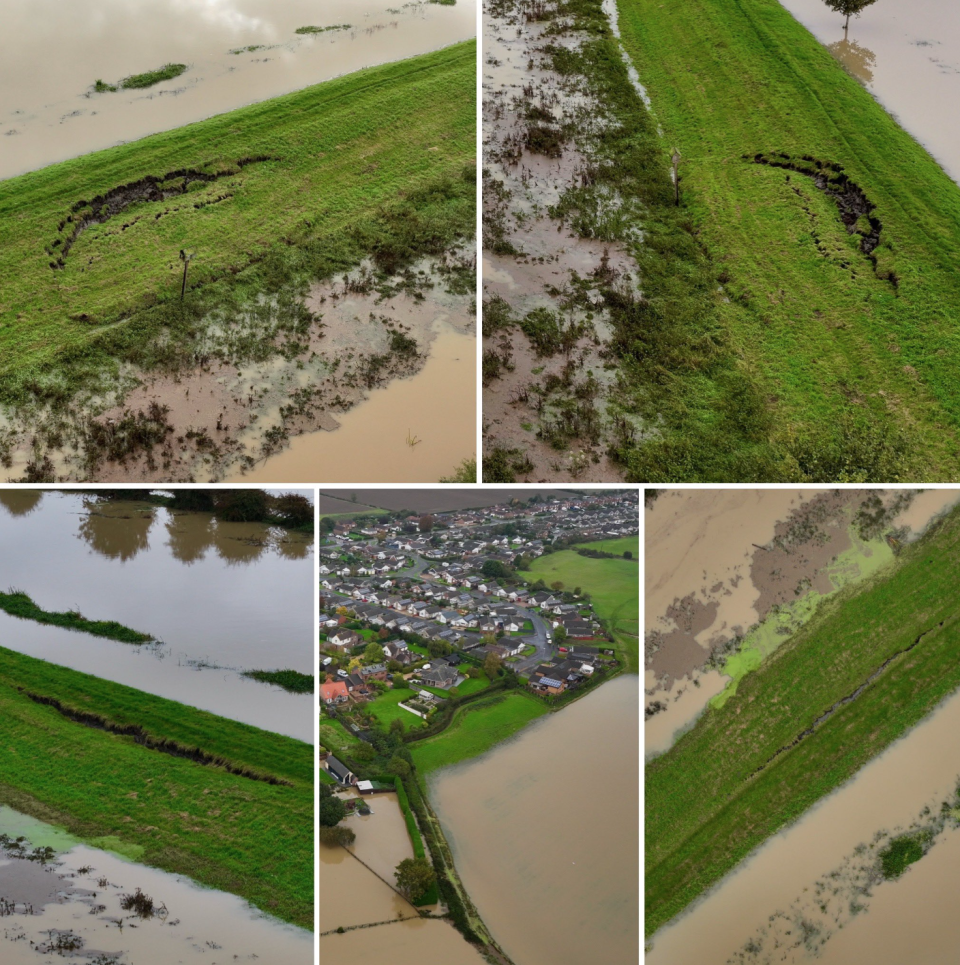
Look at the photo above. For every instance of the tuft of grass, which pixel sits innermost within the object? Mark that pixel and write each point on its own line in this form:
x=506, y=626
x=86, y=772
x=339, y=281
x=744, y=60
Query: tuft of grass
x=291, y=680
x=903, y=852
x=151, y=77
x=18, y=604
x=322, y=30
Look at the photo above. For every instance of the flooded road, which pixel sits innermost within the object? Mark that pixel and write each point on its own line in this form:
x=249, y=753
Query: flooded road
x=421, y=427
x=545, y=835
x=803, y=881
x=221, y=597
x=908, y=56
x=72, y=907
x=237, y=52
x=722, y=565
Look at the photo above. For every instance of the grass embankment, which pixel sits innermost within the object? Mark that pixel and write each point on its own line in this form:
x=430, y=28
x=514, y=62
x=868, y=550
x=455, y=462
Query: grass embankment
x=613, y=585
x=224, y=830
x=18, y=604
x=728, y=784
x=291, y=680
x=474, y=729
x=265, y=197
x=847, y=364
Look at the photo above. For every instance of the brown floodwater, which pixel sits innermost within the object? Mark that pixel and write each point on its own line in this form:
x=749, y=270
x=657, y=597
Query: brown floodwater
x=219, y=597
x=912, y=919
x=382, y=837
x=414, y=942
x=416, y=429
x=908, y=55
x=66, y=897
x=545, y=832
x=51, y=54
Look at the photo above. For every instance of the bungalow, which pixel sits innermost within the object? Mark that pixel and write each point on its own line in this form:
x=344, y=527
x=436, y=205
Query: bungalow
x=440, y=675
x=339, y=772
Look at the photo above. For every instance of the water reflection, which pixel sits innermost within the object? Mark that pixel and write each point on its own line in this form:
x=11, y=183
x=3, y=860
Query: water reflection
x=118, y=532
x=20, y=502
x=859, y=60
x=190, y=535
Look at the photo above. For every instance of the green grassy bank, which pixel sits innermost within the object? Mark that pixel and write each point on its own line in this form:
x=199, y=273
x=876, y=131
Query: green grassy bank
x=18, y=604
x=738, y=777
x=847, y=362
x=223, y=829
x=265, y=198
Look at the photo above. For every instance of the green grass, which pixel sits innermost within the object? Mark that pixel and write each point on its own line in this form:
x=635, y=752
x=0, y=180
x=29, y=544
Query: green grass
x=151, y=77
x=335, y=737
x=707, y=804
x=843, y=376
x=322, y=30
x=18, y=604
x=902, y=852
x=613, y=585
x=385, y=708
x=354, y=167
x=475, y=729
x=617, y=546
x=226, y=831
x=292, y=680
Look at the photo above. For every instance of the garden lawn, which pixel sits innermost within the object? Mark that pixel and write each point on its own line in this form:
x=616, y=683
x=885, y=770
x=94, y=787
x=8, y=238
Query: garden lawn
x=335, y=737
x=385, y=708
x=223, y=830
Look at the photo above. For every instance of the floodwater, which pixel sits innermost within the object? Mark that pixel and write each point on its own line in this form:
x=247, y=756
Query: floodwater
x=912, y=919
x=382, y=837
x=51, y=54
x=66, y=898
x=545, y=834
x=908, y=56
x=416, y=429
x=220, y=598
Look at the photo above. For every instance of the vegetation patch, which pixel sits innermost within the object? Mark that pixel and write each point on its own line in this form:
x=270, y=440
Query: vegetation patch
x=903, y=852
x=291, y=680
x=322, y=30
x=146, y=79
x=18, y=604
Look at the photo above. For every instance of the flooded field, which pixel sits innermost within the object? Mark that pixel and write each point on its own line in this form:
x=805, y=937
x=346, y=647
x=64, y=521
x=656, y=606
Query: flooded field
x=74, y=902
x=236, y=52
x=548, y=371
x=220, y=598
x=909, y=57
x=544, y=832
x=750, y=565
x=813, y=892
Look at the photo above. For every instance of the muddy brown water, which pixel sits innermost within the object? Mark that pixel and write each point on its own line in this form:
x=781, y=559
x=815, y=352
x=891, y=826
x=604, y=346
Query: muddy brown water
x=912, y=919
x=220, y=596
x=545, y=835
x=199, y=924
x=442, y=500
x=908, y=55
x=51, y=54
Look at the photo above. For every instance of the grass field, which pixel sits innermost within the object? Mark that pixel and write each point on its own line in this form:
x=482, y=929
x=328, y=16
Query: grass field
x=614, y=586
x=268, y=196
x=222, y=829
x=724, y=788
x=617, y=546
x=475, y=729
x=770, y=343
x=385, y=709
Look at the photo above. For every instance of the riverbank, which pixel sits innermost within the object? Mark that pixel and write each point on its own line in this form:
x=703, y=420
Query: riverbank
x=229, y=805
x=872, y=662
x=98, y=312
x=833, y=237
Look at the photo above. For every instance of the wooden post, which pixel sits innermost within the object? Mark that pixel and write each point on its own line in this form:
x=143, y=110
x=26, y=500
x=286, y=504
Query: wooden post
x=676, y=175
x=185, y=258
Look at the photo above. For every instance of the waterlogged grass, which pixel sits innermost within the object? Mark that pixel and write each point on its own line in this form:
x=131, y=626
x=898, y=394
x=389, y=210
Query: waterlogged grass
x=903, y=852
x=151, y=77
x=723, y=788
x=18, y=604
x=322, y=30
x=861, y=561
x=476, y=728
x=844, y=374
x=344, y=170
x=226, y=831
x=292, y=680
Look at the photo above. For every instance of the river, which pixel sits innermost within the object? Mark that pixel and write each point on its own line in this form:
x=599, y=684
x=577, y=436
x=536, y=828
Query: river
x=908, y=56
x=51, y=54
x=221, y=598
x=545, y=834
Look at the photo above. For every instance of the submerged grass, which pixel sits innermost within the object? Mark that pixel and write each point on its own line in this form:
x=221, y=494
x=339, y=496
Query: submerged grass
x=248, y=837
x=266, y=198
x=791, y=734
x=292, y=680
x=844, y=358
x=18, y=604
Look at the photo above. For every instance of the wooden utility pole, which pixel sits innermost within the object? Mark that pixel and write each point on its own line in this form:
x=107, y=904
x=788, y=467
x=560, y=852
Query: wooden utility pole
x=676, y=175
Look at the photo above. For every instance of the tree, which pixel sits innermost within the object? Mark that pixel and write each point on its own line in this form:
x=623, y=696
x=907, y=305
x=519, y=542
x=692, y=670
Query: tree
x=560, y=634
x=383, y=633
x=327, y=524
x=438, y=648
x=414, y=877
x=397, y=678
x=848, y=8
x=576, y=591
x=193, y=499
x=373, y=652
x=426, y=523
x=396, y=726
x=472, y=672
x=496, y=569
x=241, y=505
x=556, y=586
x=336, y=835
x=627, y=555
x=492, y=664
x=332, y=809
x=294, y=509
x=397, y=764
